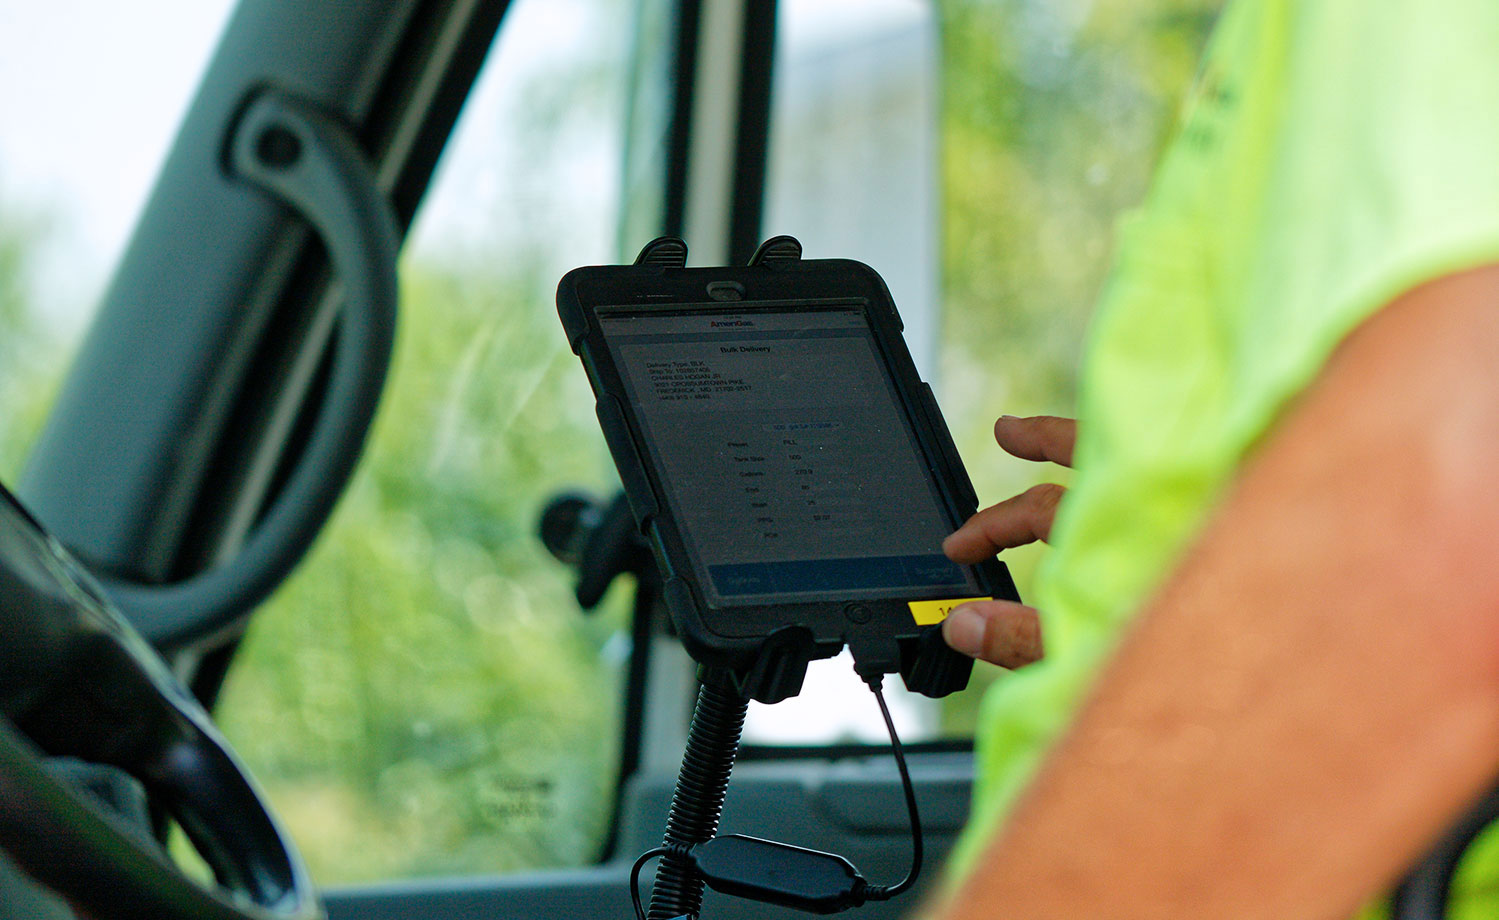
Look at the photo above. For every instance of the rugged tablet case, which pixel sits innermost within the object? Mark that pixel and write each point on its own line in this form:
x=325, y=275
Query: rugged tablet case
x=771, y=645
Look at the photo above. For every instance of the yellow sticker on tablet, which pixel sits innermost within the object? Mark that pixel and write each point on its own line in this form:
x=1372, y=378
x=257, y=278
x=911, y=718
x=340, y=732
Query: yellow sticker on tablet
x=929, y=612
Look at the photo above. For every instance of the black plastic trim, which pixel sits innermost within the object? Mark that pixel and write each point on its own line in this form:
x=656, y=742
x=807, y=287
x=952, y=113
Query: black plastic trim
x=850, y=751
x=753, y=142
x=679, y=137
x=393, y=99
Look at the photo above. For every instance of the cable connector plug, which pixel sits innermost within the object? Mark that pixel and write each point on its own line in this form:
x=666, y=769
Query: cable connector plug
x=779, y=873
x=874, y=657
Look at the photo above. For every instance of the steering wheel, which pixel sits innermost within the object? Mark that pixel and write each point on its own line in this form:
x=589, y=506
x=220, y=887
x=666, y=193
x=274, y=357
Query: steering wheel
x=76, y=680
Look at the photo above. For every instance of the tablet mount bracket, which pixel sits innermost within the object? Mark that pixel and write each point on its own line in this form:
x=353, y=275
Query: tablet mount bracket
x=692, y=856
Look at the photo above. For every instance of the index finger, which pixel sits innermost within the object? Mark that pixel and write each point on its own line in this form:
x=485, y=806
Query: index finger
x=1016, y=521
x=1041, y=437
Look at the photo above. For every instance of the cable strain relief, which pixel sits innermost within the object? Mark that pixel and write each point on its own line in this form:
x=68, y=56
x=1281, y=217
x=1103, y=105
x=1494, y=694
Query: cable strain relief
x=864, y=893
x=874, y=657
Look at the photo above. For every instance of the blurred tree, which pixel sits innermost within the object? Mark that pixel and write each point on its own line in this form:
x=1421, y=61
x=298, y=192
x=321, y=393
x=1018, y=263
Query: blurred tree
x=1053, y=115
x=424, y=696
x=29, y=352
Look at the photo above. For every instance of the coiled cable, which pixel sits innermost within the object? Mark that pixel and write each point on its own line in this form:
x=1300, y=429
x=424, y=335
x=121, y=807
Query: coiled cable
x=697, y=803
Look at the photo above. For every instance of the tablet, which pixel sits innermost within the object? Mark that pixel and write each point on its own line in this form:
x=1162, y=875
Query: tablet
x=780, y=452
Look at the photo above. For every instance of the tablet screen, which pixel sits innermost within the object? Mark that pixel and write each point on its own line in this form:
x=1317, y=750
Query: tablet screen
x=785, y=455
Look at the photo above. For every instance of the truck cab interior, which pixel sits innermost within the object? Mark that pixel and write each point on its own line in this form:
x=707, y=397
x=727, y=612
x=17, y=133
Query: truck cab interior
x=320, y=442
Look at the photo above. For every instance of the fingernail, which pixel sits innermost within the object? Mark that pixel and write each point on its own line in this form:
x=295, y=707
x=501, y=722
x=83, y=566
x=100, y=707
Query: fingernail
x=1013, y=418
x=964, y=631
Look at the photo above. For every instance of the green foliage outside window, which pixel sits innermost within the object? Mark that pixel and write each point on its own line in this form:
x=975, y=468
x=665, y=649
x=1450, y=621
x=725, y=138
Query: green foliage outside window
x=1053, y=114
x=424, y=696
x=29, y=354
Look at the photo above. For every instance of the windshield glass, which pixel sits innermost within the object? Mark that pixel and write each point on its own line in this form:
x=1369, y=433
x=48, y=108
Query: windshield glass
x=88, y=120
x=1053, y=114
x=423, y=697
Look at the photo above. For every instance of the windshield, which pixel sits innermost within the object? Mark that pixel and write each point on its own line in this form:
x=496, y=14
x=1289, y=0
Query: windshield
x=88, y=120
x=424, y=697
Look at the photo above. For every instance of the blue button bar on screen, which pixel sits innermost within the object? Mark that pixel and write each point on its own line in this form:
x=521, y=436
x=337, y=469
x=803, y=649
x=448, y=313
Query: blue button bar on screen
x=822, y=575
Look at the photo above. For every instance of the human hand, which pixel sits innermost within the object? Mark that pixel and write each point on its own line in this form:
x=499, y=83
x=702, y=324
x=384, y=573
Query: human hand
x=1003, y=632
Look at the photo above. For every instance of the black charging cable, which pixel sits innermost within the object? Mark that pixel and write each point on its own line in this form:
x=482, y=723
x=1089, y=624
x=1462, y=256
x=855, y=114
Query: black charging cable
x=644, y=858
x=779, y=873
x=886, y=892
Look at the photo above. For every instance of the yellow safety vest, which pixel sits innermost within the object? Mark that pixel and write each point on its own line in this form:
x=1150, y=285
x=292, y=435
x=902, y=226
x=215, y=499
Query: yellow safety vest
x=1332, y=155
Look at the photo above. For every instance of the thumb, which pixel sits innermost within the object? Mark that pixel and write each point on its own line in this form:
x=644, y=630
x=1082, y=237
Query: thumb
x=999, y=632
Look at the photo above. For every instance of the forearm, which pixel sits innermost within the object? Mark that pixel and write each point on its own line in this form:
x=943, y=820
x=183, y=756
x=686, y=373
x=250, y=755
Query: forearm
x=1313, y=694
